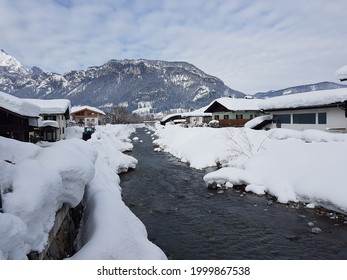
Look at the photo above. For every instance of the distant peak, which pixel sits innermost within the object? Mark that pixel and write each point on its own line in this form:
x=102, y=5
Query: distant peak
x=9, y=61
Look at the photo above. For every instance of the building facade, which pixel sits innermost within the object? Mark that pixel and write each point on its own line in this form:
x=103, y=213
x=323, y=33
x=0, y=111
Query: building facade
x=18, y=118
x=233, y=112
x=87, y=115
x=54, y=115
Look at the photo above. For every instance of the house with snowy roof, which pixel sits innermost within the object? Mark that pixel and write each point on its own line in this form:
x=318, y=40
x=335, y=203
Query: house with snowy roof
x=54, y=115
x=18, y=118
x=197, y=117
x=235, y=112
x=323, y=110
x=87, y=115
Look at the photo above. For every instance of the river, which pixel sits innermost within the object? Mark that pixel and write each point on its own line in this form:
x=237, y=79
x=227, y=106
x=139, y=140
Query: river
x=190, y=222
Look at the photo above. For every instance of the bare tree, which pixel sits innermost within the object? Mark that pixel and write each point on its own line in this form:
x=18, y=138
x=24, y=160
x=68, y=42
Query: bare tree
x=240, y=143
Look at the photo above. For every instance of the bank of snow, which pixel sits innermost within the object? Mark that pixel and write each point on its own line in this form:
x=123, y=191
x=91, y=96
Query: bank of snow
x=306, y=166
x=36, y=182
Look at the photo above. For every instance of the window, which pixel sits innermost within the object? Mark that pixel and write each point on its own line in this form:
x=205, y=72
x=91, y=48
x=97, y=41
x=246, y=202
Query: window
x=239, y=116
x=250, y=116
x=216, y=117
x=285, y=118
x=51, y=118
x=226, y=117
x=308, y=118
x=322, y=118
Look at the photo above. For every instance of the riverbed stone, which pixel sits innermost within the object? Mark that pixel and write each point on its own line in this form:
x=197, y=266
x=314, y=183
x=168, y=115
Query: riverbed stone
x=316, y=230
x=310, y=224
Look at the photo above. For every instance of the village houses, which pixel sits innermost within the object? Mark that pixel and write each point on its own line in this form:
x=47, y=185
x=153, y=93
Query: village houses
x=33, y=119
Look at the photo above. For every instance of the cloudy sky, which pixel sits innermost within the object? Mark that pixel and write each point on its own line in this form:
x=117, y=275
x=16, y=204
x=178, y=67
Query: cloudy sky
x=251, y=45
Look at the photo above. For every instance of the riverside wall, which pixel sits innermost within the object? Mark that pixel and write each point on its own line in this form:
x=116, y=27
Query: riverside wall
x=61, y=241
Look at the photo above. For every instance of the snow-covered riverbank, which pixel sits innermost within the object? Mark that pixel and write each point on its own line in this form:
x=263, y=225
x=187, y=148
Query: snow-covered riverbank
x=306, y=166
x=36, y=181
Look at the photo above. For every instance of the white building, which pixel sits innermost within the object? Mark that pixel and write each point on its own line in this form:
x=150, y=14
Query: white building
x=54, y=116
x=323, y=110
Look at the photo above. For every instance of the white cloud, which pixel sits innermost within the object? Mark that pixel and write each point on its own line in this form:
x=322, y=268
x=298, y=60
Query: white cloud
x=251, y=45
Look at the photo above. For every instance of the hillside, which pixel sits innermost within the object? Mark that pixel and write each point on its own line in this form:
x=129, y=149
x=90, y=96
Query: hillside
x=147, y=85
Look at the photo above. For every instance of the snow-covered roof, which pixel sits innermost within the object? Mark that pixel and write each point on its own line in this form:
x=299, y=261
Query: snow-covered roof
x=197, y=113
x=18, y=105
x=167, y=117
x=258, y=120
x=75, y=109
x=47, y=123
x=51, y=106
x=305, y=99
x=236, y=104
x=342, y=73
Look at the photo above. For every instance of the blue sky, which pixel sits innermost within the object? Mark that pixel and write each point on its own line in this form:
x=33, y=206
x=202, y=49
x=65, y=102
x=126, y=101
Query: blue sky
x=251, y=45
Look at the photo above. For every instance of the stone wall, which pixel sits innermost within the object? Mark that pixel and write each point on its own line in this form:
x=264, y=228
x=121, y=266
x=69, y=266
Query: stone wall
x=61, y=241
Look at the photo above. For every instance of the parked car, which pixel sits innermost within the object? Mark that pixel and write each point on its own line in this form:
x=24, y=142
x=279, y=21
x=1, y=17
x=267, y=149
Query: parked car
x=87, y=133
x=213, y=123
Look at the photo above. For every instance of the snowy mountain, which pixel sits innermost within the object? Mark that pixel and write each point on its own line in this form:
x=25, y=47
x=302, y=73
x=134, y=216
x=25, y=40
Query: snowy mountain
x=300, y=89
x=10, y=62
x=160, y=85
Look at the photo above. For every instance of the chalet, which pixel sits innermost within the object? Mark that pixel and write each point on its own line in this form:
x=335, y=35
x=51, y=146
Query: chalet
x=54, y=115
x=18, y=118
x=233, y=111
x=87, y=115
x=323, y=110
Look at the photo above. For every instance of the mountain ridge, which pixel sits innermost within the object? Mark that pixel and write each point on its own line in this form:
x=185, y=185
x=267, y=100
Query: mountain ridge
x=144, y=86
x=154, y=84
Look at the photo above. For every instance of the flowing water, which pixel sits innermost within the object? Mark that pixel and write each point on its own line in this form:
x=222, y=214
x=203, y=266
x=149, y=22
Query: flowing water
x=188, y=221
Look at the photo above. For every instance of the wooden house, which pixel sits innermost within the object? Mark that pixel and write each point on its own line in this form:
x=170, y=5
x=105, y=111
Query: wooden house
x=87, y=115
x=18, y=118
x=233, y=111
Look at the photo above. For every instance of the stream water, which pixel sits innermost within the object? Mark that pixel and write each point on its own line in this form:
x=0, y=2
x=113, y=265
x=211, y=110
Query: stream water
x=188, y=221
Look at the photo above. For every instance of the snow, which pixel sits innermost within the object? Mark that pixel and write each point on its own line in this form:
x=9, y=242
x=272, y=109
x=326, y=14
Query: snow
x=75, y=109
x=197, y=113
x=306, y=166
x=298, y=100
x=258, y=120
x=53, y=106
x=36, y=182
x=46, y=123
x=238, y=104
x=342, y=73
x=9, y=61
x=304, y=99
x=18, y=105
